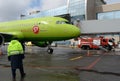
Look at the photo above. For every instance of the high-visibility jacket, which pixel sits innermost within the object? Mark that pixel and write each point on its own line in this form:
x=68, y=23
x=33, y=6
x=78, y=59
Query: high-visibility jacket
x=14, y=48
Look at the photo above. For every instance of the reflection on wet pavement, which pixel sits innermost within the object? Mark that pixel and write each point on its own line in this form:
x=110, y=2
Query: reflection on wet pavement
x=41, y=66
x=65, y=64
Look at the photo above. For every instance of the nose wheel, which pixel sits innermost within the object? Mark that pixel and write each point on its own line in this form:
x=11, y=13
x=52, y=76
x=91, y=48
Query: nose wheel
x=50, y=50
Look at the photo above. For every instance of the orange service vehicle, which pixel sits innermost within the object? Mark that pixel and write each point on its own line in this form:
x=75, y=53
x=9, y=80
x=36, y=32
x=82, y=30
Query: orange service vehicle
x=96, y=43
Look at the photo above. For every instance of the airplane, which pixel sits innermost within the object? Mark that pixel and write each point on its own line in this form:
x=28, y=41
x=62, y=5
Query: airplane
x=41, y=31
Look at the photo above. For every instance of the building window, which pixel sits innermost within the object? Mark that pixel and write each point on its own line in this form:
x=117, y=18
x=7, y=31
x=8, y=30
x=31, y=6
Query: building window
x=109, y=15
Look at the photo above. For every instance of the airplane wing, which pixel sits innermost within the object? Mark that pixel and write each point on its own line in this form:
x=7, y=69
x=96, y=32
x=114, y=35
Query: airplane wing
x=6, y=37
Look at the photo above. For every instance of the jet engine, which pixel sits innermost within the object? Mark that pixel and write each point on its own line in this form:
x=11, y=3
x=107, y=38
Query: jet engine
x=41, y=44
x=44, y=44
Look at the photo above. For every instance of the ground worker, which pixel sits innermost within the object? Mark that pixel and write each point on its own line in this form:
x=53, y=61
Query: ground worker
x=15, y=56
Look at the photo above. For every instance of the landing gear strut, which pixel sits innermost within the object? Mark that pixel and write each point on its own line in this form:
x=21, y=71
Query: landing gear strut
x=50, y=50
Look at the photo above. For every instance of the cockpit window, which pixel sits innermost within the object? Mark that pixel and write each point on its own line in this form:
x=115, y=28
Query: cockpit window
x=61, y=22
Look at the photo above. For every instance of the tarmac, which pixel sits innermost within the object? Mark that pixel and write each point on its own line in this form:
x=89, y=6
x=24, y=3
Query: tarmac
x=65, y=64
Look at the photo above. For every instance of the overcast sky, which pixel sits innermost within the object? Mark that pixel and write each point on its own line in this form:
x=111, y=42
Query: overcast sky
x=12, y=9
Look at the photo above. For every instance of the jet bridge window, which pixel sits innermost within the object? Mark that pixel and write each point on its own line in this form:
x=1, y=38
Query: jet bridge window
x=61, y=22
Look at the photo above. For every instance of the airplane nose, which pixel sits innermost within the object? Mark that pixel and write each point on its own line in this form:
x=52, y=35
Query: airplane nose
x=75, y=31
x=71, y=31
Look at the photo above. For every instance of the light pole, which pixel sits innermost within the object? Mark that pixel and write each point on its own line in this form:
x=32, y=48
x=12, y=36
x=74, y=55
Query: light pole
x=68, y=4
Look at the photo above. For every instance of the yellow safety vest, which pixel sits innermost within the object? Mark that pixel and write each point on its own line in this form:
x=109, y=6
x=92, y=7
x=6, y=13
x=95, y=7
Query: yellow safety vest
x=14, y=48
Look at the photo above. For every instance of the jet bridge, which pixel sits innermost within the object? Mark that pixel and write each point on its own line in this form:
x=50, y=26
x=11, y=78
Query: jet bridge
x=93, y=27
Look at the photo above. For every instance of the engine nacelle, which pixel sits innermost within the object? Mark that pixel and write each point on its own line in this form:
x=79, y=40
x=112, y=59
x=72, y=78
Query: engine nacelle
x=41, y=44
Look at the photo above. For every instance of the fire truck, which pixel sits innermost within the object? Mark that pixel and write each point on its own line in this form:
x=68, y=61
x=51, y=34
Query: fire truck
x=96, y=43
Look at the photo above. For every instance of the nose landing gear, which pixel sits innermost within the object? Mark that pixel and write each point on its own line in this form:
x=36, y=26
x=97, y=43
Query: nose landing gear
x=50, y=50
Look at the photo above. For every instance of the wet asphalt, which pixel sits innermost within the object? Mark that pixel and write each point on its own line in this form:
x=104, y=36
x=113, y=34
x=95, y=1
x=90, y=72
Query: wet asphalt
x=65, y=64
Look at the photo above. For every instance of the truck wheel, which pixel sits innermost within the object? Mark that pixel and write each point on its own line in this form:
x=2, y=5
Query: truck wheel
x=83, y=47
x=88, y=48
x=109, y=47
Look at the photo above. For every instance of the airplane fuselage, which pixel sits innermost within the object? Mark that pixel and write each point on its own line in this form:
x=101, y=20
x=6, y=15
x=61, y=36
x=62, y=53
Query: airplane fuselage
x=40, y=29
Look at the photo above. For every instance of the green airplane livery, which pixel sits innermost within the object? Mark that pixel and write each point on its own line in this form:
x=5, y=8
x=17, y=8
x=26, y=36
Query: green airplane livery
x=41, y=31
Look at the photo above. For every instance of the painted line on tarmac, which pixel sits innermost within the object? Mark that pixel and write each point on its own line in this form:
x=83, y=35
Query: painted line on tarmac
x=76, y=58
x=96, y=61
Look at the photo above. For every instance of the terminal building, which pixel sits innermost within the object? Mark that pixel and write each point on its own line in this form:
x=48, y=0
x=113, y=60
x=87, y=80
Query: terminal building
x=84, y=10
